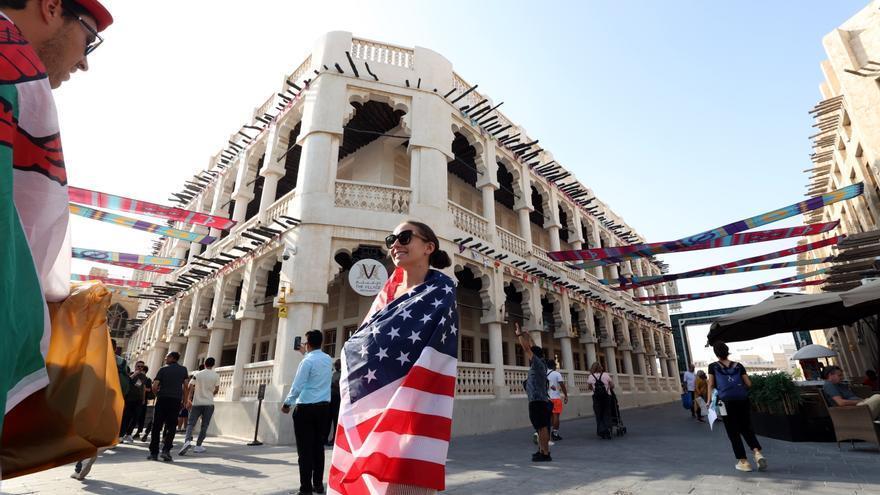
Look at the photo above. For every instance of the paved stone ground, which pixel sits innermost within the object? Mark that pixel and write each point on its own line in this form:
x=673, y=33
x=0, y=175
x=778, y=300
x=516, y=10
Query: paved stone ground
x=664, y=452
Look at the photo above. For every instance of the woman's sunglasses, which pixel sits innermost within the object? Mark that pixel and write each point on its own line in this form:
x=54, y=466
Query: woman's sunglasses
x=404, y=238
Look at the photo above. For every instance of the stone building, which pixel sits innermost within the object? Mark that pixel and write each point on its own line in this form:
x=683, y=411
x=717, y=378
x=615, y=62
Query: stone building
x=327, y=168
x=846, y=150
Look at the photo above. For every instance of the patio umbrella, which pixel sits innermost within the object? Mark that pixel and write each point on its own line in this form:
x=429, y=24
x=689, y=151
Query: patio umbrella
x=813, y=351
x=864, y=294
x=781, y=313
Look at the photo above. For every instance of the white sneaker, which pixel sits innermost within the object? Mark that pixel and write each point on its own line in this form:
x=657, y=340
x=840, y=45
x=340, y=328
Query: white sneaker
x=127, y=439
x=186, y=446
x=86, y=467
x=743, y=465
x=199, y=449
x=551, y=443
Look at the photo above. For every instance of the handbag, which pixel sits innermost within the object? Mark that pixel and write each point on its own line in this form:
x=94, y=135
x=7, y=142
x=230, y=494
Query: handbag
x=686, y=401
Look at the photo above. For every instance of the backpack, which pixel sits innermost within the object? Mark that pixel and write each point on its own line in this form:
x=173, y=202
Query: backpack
x=729, y=383
x=136, y=390
x=599, y=386
x=122, y=370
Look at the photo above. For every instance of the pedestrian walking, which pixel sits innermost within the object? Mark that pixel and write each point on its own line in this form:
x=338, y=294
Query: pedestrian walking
x=732, y=383
x=602, y=386
x=400, y=364
x=42, y=43
x=144, y=421
x=135, y=401
x=168, y=386
x=558, y=396
x=689, y=385
x=701, y=395
x=537, y=392
x=334, y=400
x=203, y=386
x=310, y=396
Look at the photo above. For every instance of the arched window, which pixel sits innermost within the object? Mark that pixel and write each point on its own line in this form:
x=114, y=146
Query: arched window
x=117, y=319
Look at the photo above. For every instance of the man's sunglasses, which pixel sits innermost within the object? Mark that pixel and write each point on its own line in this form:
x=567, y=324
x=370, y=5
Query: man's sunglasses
x=93, y=42
x=404, y=238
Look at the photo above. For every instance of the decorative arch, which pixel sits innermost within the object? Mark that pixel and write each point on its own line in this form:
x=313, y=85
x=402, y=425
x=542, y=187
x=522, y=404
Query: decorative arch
x=541, y=204
x=117, y=318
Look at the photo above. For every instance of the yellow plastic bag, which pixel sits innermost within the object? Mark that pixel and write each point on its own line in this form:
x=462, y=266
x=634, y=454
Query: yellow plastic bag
x=81, y=408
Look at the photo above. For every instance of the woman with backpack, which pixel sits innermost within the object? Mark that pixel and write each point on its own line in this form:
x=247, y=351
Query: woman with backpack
x=601, y=385
x=732, y=383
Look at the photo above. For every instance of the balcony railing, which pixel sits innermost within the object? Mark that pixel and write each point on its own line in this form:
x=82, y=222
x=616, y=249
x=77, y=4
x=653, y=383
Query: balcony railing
x=475, y=380
x=375, y=197
x=580, y=381
x=255, y=374
x=225, y=383
x=543, y=259
x=469, y=221
x=512, y=242
x=514, y=377
x=383, y=53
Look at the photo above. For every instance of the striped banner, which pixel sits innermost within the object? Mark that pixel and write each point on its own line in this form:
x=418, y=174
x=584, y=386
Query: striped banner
x=108, y=256
x=706, y=295
x=813, y=203
x=120, y=203
x=111, y=281
x=751, y=288
x=731, y=240
x=115, y=219
x=123, y=291
x=141, y=267
x=733, y=266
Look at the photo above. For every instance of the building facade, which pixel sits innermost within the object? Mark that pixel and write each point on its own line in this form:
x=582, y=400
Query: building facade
x=846, y=150
x=347, y=150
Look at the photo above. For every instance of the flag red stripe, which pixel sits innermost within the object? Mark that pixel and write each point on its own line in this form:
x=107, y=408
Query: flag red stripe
x=429, y=381
x=399, y=470
x=412, y=423
x=364, y=428
x=356, y=487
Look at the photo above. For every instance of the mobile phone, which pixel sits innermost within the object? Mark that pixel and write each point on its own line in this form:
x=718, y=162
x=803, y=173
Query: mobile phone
x=297, y=343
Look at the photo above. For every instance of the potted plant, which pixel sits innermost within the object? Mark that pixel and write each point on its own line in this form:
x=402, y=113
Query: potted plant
x=776, y=407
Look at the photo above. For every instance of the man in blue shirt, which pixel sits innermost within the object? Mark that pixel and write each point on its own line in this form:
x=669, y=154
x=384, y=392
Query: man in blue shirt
x=310, y=395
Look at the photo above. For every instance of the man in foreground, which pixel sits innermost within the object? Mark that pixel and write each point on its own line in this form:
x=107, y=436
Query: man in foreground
x=536, y=385
x=42, y=42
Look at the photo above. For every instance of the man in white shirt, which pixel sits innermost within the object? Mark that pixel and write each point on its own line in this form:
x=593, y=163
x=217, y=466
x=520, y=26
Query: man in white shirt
x=689, y=381
x=558, y=395
x=202, y=388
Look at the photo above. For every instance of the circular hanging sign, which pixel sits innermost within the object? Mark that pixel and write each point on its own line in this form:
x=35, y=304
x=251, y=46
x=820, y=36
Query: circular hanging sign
x=367, y=277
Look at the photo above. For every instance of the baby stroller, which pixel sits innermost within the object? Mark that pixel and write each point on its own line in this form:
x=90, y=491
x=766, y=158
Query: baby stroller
x=617, y=427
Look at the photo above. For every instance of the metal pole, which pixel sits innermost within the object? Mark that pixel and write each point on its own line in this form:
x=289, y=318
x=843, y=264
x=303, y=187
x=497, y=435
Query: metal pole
x=260, y=394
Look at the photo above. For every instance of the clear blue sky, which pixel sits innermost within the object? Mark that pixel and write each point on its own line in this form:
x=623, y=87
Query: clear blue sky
x=682, y=116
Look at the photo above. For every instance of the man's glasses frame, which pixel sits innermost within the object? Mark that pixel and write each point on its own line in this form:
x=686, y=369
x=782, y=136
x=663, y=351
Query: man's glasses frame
x=95, y=42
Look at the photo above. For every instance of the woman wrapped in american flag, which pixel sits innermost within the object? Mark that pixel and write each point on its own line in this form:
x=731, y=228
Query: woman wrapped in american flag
x=398, y=377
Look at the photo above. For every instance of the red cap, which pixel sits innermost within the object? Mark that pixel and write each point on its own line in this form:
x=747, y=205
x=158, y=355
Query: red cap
x=98, y=12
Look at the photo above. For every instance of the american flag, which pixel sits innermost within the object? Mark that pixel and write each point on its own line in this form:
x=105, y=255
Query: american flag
x=397, y=388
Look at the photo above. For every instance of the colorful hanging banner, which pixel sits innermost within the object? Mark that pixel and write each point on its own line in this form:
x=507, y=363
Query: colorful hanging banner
x=113, y=218
x=120, y=203
x=743, y=269
x=111, y=281
x=731, y=240
x=124, y=291
x=813, y=203
x=141, y=267
x=635, y=282
x=751, y=288
x=108, y=256
x=706, y=295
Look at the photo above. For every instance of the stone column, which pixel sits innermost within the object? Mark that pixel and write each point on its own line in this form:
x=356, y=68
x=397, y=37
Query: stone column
x=191, y=355
x=175, y=345
x=525, y=227
x=157, y=358
x=590, y=340
x=254, y=289
x=496, y=356
x=430, y=149
x=218, y=325
x=552, y=224
x=523, y=207
x=219, y=200
x=195, y=247
x=243, y=192
x=488, y=184
x=565, y=341
x=272, y=170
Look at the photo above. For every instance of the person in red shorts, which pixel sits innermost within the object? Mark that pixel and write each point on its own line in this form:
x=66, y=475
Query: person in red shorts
x=558, y=396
